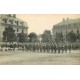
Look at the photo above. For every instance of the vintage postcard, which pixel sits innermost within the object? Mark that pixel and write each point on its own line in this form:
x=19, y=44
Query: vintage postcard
x=40, y=39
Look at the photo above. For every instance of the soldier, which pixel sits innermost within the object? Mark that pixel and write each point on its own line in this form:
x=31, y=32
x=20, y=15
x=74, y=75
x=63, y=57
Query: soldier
x=37, y=47
x=2, y=47
x=65, y=47
x=30, y=47
x=47, y=47
x=14, y=46
x=62, y=48
x=26, y=47
x=59, y=48
x=34, y=47
x=40, y=46
x=52, y=47
x=55, y=48
x=22, y=46
x=44, y=47
x=69, y=48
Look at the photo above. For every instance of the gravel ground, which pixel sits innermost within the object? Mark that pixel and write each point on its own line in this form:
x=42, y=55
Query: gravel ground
x=31, y=58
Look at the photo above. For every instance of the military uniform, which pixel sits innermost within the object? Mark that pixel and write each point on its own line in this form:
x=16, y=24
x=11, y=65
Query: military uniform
x=65, y=47
x=59, y=48
x=55, y=48
x=37, y=47
x=62, y=48
x=40, y=46
x=69, y=48
x=52, y=47
x=44, y=48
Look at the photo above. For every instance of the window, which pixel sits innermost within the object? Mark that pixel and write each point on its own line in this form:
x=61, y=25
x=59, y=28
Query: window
x=11, y=21
x=61, y=26
x=61, y=32
x=5, y=20
x=54, y=27
x=77, y=31
x=22, y=30
x=66, y=26
x=16, y=22
x=9, y=15
x=17, y=29
x=56, y=33
x=69, y=25
x=75, y=25
x=0, y=33
x=58, y=27
x=72, y=31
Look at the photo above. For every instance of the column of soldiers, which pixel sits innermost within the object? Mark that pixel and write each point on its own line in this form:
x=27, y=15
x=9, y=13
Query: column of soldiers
x=39, y=47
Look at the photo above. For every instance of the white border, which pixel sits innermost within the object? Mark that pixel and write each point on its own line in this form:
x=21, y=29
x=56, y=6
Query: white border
x=41, y=72
x=40, y=6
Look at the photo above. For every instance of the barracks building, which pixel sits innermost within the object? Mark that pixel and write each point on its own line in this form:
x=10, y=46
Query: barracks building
x=66, y=26
x=18, y=25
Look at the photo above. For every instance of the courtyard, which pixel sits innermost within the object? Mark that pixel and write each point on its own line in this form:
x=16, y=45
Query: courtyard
x=34, y=58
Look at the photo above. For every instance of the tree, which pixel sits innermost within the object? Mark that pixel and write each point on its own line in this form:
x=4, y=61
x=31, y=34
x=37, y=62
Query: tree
x=59, y=37
x=46, y=36
x=9, y=35
x=22, y=37
x=71, y=37
x=33, y=37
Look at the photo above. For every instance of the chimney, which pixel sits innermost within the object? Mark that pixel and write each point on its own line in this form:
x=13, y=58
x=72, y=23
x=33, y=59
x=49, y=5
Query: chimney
x=14, y=15
x=67, y=19
x=63, y=19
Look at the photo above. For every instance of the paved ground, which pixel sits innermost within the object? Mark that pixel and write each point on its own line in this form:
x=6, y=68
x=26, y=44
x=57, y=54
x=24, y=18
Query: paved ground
x=20, y=57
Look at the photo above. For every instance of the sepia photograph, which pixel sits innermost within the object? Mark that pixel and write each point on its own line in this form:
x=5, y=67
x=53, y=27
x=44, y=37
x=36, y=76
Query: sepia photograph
x=39, y=39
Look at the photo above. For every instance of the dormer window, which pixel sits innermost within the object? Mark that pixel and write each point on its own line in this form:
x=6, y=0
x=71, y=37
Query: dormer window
x=77, y=31
x=11, y=21
x=17, y=22
x=69, y=25
x=5, y=20
x=17, y=29
x=66, y=26
x=75, y=25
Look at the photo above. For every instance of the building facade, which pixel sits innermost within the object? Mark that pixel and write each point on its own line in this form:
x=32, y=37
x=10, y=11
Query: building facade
x=18, y=25
x=66, y=26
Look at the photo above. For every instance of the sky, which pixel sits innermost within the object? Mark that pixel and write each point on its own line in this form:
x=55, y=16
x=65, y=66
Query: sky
x=39, y=22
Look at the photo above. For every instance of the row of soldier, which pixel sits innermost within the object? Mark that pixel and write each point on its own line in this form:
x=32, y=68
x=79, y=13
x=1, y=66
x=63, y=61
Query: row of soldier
x=38, y=47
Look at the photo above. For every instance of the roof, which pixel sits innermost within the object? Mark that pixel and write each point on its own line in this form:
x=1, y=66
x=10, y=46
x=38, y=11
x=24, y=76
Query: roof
x=12, y=18
x=3, y=16
x=70, y=21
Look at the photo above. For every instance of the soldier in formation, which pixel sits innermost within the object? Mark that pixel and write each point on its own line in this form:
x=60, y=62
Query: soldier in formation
x=39, y=47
